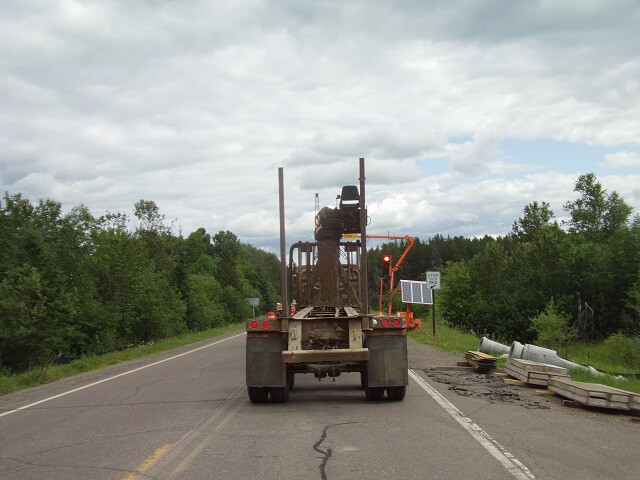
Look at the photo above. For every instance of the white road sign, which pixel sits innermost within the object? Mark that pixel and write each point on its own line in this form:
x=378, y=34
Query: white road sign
x=254, y=302
x=433, y=280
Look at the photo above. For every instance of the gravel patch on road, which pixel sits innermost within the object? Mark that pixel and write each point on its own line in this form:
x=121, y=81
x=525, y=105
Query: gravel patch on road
x=487, y=386
x=491, y=387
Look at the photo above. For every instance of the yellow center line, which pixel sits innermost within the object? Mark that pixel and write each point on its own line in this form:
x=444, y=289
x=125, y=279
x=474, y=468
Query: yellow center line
x=148, y=462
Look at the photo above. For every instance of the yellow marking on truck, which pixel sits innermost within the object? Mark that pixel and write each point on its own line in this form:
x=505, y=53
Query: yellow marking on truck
x=144, y=466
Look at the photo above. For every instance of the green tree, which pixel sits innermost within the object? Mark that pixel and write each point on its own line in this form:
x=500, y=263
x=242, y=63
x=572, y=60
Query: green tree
x=553, y=329
x=26, y=336
x=536, y=217
x=631, y=314
x=596, y=213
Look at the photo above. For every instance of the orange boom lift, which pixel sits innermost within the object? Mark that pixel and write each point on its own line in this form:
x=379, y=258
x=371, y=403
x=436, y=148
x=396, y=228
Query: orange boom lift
x=411, y=322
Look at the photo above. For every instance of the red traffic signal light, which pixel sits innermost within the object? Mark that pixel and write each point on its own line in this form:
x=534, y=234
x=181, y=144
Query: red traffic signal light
x=386, y=258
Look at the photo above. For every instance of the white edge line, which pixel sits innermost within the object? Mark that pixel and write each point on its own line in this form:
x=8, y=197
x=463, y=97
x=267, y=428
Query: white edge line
x=512, y=464
x=24, y=407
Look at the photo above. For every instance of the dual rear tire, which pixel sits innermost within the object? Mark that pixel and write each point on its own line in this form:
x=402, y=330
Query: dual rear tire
x=261, y=394
x=278, y=394
x=376, y=394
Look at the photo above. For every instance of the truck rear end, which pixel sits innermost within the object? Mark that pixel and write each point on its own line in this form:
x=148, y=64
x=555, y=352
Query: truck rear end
x=330, y=332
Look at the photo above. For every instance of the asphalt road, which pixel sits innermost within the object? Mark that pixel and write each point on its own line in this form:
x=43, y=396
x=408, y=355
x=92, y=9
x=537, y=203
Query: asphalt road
x=188, y=417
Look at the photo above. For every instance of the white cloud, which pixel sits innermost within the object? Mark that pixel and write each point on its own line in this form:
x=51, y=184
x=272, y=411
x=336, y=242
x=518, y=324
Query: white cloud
x=622, y=160
x=195, y=104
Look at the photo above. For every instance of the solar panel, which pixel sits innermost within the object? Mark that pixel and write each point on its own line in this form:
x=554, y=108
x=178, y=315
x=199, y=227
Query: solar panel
x=416, y=292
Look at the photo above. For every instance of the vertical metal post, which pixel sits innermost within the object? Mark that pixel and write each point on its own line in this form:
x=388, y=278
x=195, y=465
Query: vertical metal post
x=283, y=253
x=391, y=288
x=433, y=309
x=364, y=283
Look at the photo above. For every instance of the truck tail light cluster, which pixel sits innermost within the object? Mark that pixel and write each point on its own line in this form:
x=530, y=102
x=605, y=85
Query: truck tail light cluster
x=391, y=322
x=265, y=325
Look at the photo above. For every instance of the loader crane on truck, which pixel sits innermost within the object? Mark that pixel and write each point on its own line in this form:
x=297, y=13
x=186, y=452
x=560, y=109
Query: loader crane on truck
x=331, y=331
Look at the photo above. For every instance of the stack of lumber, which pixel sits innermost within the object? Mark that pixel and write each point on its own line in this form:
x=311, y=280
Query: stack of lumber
x=480, y=362
x=534, y=373
x=594, y=394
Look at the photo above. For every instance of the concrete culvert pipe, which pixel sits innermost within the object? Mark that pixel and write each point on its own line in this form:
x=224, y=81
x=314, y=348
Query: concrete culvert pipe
x=491, y=347
x=540, y=354
x=516, y=350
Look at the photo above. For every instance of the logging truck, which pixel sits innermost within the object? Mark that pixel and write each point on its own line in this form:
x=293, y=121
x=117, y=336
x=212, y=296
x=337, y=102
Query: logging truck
x=330, y=331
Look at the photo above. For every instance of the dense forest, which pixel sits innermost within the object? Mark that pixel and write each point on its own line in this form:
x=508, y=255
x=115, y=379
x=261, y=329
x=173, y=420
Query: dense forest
x=72, y=284
x=586, y=270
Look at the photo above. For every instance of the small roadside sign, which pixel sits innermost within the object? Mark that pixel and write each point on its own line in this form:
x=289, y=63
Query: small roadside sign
x=433, y=280
x=254, y=302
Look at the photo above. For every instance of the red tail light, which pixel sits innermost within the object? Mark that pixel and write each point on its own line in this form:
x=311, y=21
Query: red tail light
x=265, y=325
x=396, y=322
x=384, y=322
x=254, y=325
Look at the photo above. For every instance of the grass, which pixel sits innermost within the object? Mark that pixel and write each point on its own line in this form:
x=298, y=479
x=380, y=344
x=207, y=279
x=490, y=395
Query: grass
x=630, y=384
x=32, y=378
x=447, y=338
x=598, y=355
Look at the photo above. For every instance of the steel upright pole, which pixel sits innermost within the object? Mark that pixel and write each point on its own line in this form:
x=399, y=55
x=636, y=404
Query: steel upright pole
x=283, y=252
x=364, y=284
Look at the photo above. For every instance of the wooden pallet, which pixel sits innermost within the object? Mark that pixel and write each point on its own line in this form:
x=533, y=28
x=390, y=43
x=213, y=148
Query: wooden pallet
x=481, y=362
x=534, y=373
x=594, y=394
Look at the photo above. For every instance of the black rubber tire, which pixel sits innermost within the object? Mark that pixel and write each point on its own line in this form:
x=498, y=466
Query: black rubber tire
x=258, y=394
x=279, y=394
x=291, y=379
x=396, y=393
x=374, y=394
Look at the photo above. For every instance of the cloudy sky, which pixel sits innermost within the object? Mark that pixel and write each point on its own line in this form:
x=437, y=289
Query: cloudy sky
x=465, y=111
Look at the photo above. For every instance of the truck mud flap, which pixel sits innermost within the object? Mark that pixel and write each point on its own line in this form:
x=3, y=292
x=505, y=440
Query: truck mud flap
x=265, y=367
x=388, y=361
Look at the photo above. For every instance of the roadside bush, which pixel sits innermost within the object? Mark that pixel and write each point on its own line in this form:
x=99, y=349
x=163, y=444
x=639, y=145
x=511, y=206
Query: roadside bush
x=552, y=327
x=623, y=350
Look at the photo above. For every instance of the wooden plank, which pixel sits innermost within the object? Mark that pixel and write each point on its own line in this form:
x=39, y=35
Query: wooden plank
x=593, y=394
x=544, y=392
x=518, y=383
x=537, y=366
x=517, y=375
x=481, y=355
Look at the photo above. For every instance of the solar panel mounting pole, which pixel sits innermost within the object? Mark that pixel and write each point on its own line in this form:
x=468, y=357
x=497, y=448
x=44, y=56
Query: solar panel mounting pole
x=433, y=308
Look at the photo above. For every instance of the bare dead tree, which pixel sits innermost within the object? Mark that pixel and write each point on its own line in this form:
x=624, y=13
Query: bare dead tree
x=584, y=323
